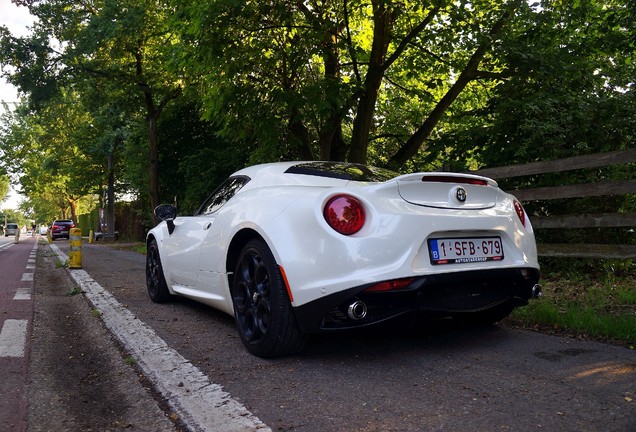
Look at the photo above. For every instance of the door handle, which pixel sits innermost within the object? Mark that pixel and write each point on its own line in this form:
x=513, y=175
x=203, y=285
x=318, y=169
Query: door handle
x=207, y=226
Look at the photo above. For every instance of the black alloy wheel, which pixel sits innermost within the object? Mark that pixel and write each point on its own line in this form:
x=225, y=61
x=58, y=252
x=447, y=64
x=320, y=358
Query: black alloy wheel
x=155, y=280
x=263, y=312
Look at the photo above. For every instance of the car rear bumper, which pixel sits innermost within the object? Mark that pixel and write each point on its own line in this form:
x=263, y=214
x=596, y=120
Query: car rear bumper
x=437, y=295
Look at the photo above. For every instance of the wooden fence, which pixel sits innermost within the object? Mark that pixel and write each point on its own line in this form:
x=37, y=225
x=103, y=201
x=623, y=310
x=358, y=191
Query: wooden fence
x=603, y=220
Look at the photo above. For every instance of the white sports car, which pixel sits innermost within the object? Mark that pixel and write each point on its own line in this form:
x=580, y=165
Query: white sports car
x=295, y=248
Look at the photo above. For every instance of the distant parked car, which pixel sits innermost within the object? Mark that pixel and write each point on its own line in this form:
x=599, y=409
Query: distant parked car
x=11, y=229
x=43, y=229
x=61, y=228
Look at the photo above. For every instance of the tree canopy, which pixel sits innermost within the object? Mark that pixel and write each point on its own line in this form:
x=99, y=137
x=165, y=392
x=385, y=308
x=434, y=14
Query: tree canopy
x=166, y=97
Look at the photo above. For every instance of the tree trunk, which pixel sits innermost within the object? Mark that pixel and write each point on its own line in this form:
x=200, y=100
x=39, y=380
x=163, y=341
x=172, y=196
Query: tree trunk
x=383, y=20
x=72, y=204
x=300, y=135
x=110, y=191
x=153, y=162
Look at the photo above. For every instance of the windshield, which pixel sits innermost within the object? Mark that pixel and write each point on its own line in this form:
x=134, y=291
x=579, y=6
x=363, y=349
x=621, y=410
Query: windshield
x=345, y=171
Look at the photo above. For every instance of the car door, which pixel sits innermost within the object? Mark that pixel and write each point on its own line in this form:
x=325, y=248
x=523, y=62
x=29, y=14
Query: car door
x=212, y=257
x=182, y=249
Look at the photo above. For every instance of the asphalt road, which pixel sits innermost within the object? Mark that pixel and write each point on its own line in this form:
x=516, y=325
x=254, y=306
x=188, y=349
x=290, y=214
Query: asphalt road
x=438, y=378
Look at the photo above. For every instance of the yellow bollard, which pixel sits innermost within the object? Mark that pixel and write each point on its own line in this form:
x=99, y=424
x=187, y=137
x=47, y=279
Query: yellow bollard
x=75, y=251
x=90, y=236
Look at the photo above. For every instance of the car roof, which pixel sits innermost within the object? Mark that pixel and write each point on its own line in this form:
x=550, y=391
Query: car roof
x=311, y=173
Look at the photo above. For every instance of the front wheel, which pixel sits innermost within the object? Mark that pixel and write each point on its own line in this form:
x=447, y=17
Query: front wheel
x=263, y=312
x=155, y=280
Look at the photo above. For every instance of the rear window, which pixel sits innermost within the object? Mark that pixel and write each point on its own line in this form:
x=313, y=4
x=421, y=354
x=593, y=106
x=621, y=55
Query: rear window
x=344, y=171
x=12, y=226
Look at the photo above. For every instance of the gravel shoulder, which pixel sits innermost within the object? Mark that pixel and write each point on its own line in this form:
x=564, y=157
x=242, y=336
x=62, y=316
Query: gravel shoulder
x=79, y=379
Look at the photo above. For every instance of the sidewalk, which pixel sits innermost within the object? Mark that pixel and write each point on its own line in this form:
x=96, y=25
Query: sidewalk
x=78, y=377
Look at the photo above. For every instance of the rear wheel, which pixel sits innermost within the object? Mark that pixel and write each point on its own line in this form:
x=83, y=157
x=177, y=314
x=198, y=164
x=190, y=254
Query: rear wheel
x=263, y=312
x=155, y=280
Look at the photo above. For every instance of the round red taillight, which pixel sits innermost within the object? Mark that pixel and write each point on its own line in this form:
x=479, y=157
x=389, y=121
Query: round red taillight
x=520, y=212
x=344, y=214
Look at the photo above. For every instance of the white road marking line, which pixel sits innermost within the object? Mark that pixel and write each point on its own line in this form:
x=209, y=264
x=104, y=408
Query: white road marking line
x=13, y=338
x=27, y=277
x=201, y=404
x=22, y=294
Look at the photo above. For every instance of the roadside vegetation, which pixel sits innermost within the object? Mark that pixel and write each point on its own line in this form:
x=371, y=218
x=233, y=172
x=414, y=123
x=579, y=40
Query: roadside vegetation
x=587, y=299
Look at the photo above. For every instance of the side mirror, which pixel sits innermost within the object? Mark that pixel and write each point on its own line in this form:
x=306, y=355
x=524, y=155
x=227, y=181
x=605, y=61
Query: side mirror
x=167, y=213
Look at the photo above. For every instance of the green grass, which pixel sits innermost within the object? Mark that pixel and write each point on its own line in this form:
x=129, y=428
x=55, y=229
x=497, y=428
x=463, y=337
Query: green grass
x=73, y=291
x=601, y=307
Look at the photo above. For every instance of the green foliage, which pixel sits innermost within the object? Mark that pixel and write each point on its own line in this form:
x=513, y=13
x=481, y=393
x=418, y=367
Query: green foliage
x=569, y=91
x=13, y=216
x=194, y=158
x=73, y=291
x=4, y=187
x=182, y=93
x=594, y=306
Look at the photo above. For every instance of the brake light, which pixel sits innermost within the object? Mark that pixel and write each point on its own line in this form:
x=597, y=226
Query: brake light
x=454, y=179
x=390, y=285
x=345, y=214
x=520, y=212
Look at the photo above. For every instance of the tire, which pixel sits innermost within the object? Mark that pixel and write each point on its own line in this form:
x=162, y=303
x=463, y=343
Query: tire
x=155, y=280
x=485, y=317
x=262, y=310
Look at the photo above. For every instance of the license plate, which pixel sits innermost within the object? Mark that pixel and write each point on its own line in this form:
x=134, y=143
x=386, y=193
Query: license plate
x=63, y=232
x=465, y=250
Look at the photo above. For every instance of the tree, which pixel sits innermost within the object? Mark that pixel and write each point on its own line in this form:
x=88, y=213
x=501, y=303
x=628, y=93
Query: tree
x=123, y=43
x=176, y=94
x=568, y=91
x=49, y=153
x=312, y=73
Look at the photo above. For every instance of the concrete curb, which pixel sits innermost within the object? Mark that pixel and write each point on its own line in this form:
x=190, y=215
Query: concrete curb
x=200, y=404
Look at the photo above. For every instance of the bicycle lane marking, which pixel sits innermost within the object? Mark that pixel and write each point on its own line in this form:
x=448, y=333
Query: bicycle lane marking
x=17, y=311
x=201, y=404
x=13, y=335
x=13, y=338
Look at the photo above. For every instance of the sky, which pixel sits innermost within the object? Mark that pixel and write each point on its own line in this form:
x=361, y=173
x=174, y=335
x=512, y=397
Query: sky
x=17, y=20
